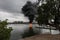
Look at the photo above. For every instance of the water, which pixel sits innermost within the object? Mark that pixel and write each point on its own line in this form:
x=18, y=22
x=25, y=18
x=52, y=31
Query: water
x=19, y=29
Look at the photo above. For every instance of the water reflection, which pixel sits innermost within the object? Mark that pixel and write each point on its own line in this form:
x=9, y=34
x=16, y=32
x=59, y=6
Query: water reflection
x=19, y=29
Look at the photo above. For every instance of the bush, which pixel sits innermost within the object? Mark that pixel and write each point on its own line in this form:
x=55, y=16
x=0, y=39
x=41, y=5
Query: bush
x=4, y=31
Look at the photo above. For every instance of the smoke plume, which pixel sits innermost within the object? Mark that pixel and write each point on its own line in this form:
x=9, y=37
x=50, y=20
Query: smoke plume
x=29, y=10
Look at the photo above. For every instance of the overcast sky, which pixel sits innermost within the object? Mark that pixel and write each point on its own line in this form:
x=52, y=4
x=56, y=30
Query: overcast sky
x=11, y=10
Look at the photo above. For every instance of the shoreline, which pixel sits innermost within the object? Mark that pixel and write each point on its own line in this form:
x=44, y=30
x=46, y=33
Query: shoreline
x=43, y=37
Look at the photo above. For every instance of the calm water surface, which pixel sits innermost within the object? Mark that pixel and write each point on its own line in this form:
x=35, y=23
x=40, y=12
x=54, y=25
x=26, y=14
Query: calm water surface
x=19, y=29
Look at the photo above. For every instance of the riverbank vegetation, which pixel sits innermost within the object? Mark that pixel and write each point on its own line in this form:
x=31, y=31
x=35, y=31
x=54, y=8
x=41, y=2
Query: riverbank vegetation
x=4, y=31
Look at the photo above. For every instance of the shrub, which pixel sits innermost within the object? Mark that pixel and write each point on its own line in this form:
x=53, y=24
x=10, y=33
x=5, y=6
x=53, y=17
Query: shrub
x=4, y=31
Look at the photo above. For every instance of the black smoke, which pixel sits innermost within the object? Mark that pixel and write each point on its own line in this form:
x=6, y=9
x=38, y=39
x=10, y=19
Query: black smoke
x=29, y=10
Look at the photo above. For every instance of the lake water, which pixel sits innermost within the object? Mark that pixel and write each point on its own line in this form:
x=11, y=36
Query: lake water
x=19, y=29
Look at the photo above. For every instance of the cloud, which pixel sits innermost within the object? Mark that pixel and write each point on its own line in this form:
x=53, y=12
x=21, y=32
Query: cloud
x=11, y=9
x=12, y=5
x=11, y=18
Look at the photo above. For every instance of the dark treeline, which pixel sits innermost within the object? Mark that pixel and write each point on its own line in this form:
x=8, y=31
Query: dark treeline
x=20, y=23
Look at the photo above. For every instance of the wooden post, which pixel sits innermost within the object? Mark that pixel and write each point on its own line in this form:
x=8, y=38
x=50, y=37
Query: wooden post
x=50, y=30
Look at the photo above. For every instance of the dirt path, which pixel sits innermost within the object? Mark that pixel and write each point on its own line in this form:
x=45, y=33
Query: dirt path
x=43, y=37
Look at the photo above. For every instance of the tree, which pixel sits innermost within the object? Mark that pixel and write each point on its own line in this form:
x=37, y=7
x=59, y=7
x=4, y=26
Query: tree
x=44, y=13
x=48, y=11
x=4, y=31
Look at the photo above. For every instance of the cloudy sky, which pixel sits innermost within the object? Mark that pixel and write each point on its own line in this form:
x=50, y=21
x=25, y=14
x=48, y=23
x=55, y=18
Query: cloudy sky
x=11, y=10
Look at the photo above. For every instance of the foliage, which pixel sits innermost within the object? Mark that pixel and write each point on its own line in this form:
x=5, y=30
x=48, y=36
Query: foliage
x=4, y=31
x=47, y=12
